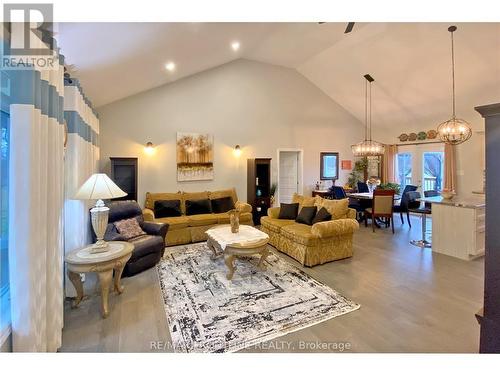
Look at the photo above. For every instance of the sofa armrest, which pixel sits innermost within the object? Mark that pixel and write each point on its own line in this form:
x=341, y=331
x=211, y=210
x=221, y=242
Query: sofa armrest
x=243, y=207
x=333, y=228
x=273, y=212
x=149, y=215
x=351, y=213
x=155, y=229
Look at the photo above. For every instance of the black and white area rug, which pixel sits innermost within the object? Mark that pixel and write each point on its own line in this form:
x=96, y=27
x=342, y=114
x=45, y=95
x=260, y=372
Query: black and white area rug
x=208, y=313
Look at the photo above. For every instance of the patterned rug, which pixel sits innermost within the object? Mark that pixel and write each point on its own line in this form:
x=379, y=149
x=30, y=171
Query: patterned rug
x=208, y=313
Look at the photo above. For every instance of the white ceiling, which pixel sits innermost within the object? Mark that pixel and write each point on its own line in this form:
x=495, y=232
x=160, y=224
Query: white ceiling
x=409, y=61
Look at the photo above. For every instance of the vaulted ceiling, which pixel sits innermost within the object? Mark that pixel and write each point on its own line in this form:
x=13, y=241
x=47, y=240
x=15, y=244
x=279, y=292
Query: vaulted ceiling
x=410, y=62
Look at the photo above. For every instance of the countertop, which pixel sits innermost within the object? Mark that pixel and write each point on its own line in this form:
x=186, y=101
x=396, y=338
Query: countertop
x=458, y=201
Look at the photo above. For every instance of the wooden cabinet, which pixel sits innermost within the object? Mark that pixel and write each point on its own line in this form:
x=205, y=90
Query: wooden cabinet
x=259, y=186
x=124, y=174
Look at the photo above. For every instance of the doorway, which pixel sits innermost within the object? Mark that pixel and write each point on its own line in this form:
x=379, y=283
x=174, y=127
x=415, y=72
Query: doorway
x=290, y=164
x=421, y=165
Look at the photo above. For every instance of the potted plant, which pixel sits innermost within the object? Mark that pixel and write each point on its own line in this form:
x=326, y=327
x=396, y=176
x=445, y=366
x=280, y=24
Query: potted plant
x=272, y=192
x=358, y=172
x=390, y=186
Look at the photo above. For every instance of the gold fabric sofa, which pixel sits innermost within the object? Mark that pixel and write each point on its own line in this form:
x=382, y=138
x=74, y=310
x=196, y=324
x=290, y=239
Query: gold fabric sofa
x=186, y=229
x=317, y=244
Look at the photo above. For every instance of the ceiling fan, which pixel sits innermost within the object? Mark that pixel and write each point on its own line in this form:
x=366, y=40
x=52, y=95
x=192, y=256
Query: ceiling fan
x=348, y=29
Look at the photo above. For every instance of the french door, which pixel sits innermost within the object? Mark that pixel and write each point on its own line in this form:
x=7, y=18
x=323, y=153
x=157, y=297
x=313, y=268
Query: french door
x=421, y=165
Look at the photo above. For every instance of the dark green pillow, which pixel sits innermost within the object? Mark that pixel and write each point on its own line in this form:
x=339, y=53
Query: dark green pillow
x=288, y=211
x=307, y=215
x=221, y=205
x=167, y=208
x=197, y=207
x=322, y=215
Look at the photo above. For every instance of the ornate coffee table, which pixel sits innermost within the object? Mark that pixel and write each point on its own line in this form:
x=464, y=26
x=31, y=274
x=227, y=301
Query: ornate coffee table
x=104, y=263
x=248, y=241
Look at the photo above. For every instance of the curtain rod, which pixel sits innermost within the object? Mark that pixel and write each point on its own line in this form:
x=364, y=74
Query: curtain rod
x=417, y=143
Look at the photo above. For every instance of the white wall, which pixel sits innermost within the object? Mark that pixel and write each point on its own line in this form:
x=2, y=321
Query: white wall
x=469, y=155
x=259, y=106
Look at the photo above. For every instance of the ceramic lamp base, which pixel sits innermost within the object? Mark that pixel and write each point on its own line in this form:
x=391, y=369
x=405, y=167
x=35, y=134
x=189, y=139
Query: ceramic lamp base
x=99, y=217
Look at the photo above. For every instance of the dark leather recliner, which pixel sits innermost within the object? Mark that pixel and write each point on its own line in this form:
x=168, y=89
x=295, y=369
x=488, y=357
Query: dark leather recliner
x=149, y=248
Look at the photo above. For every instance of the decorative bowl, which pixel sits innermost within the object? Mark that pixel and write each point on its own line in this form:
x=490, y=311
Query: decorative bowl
x=447, y=194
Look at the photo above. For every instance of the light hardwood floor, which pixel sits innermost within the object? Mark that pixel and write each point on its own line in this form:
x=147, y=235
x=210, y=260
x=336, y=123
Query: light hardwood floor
x=411, y=301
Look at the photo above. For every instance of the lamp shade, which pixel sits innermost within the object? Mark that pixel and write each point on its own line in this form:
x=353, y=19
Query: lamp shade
x=99, y=186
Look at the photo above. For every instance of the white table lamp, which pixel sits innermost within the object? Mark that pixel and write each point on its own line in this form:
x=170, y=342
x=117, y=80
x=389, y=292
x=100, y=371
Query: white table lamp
x=99, y=186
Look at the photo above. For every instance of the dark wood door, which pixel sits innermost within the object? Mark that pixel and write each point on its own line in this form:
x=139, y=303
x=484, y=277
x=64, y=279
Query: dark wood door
x=124, y=174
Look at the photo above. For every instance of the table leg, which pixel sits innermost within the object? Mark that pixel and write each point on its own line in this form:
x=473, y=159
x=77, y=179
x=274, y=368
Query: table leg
x=264, y=253
x=118, y=277
x=212, y=247
x=77, y=283
x=105, y=281
x=229, y=260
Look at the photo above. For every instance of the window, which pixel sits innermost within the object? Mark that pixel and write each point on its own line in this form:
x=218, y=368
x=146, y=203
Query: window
x=404, y=167
x=4, y=224
x=329, y=166
x=433, y=171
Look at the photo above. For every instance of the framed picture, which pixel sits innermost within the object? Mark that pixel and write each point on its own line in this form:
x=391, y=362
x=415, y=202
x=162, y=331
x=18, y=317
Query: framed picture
x=195, y=157
x=346, y=164
x=329, y=166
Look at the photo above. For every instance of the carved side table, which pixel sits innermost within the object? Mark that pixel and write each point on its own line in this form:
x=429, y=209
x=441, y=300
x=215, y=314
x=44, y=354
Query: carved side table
x=83, y=260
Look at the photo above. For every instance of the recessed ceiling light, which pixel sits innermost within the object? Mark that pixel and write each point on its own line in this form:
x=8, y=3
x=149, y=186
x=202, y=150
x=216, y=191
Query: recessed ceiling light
x=170, y=66
x=235, y=46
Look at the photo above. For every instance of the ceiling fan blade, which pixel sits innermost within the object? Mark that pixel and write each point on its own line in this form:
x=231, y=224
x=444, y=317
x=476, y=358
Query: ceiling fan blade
x=349, y=27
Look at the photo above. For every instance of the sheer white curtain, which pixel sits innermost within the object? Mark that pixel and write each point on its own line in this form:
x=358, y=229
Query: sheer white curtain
x=36, y=207
x=81, y=161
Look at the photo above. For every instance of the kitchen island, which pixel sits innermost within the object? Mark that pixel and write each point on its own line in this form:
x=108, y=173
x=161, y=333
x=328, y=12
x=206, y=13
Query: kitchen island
x=458, y=226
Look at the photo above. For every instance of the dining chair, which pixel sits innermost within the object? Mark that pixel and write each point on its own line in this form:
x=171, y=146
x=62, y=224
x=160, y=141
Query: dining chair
x=362, y=187
x=404, y=203
x=383, y=207
x=430, y=193
x=339, y=192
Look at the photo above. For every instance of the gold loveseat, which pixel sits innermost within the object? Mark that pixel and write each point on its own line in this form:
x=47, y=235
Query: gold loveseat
x=186, y=229
x=317, y=244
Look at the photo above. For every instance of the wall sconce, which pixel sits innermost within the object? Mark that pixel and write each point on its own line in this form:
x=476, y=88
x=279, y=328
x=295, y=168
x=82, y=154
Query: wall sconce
x=237, y=151
x=149, y=148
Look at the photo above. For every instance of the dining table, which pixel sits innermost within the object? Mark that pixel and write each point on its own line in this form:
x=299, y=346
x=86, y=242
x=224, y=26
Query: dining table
x=369, y=196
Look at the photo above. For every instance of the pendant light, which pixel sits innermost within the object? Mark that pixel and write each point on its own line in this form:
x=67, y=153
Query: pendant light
x=368, y=147
x=455, y=130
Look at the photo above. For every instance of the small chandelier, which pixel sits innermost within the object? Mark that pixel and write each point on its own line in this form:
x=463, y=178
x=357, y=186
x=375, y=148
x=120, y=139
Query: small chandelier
x=368, y=147
x=455, y=130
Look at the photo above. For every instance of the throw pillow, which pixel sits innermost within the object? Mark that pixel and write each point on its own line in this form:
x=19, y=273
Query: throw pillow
x=338, y=208
x=306, y=215
x=303, y=201
x=288, y=211
x=222, y=205
x=322, y=215
x=167, y=208
x=197, y=207
x=129, y=228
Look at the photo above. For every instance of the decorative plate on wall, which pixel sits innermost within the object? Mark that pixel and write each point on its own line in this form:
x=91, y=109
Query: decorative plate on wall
x=403, y=137
x=432, y=134
x=421, y=136
x=412, y=137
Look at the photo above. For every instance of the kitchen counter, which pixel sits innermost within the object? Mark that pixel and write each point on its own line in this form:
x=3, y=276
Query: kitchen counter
x=458, y=226
x=458, y=201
